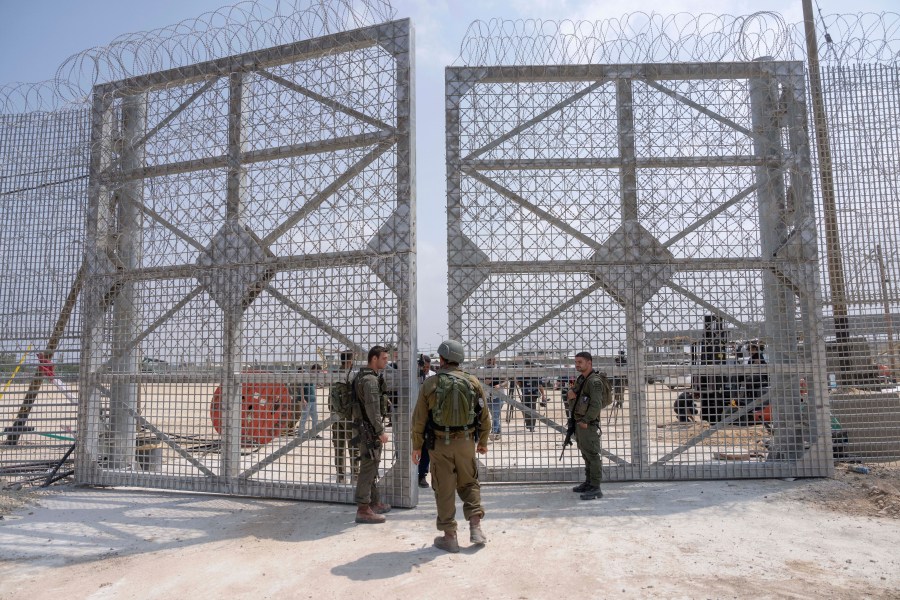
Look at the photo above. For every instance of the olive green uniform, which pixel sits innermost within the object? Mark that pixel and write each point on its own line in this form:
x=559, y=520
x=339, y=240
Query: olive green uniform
x=370, y=391
x=586, y=409
x=453, y=466
x=341, y=434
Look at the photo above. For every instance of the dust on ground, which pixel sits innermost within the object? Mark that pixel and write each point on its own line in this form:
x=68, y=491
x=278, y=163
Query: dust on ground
x=14, y=495
x=876, y=494
x=771, y=538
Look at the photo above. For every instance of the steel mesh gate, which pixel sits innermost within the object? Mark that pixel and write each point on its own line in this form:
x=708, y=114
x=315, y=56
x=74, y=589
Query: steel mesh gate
x=250, y=219
x=43, y=182
x=660, y=216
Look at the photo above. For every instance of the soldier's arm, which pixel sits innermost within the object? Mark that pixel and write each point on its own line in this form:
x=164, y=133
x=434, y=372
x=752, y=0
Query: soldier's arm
x=372, y=403
x=595, y=404
x=484, y=421
x=419, y=420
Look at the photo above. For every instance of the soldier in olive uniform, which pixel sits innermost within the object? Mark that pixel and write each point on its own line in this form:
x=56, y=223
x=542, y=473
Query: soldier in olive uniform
x=370, y=391
x=453, y=467
x=342, y=432
x=585, y=400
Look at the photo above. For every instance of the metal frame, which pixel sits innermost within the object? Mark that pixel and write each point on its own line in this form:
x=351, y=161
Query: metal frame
x=632, y=265
x=236, y=267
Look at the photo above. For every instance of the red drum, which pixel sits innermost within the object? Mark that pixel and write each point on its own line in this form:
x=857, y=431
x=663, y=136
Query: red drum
x=266, y=411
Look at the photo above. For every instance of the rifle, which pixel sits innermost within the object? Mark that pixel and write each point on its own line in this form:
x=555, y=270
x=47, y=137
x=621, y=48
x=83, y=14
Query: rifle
x=571, y=424
x=366, y=439
x=570, y=431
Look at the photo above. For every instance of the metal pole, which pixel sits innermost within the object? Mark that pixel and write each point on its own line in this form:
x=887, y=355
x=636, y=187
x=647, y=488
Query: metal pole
x=233, y=342
x=124, y=393
x=780, y=326
x=826, y=175
x=888, y=322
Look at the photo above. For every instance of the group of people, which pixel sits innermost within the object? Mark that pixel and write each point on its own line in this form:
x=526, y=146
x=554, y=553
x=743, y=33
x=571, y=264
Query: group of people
x=453, y=419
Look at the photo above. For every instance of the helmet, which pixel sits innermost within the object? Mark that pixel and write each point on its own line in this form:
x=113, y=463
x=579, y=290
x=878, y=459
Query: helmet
x=452, y=351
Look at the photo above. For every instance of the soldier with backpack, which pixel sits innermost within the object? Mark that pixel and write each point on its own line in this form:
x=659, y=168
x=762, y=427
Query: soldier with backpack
x=340, y=405
x=450, y=415
x=368, y=414
x=591, y=393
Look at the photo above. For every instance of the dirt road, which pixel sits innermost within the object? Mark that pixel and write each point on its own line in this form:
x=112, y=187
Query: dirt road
x=718, y=539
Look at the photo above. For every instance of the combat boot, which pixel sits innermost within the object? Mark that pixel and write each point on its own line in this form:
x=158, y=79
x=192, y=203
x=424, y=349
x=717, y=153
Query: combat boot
x=366, y=516
x=379, y=508
x=591, y=493
x=581, y=487
x=476, y=536
x=447, y=542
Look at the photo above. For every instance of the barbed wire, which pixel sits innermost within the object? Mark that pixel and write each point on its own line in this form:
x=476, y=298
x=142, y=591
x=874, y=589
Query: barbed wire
x=650, y=37
x=234, y=29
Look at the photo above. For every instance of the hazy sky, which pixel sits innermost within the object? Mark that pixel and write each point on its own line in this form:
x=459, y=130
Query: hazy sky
x=37, y=35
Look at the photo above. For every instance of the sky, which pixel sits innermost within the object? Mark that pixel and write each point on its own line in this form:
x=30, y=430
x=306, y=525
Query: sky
x=36, y=36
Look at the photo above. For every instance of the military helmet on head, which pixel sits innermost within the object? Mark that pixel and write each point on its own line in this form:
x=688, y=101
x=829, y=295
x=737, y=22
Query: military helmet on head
x=452, y=351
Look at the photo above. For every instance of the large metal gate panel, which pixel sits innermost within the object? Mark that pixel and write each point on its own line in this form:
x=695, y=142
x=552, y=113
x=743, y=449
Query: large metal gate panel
x=251, y=218
x=659, y=216
x=43, y=184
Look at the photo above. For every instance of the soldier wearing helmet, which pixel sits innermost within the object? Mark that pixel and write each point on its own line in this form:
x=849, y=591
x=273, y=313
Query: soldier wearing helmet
x=453, y=466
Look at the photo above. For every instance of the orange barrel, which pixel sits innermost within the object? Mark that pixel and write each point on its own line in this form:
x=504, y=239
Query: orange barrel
x=265, y=411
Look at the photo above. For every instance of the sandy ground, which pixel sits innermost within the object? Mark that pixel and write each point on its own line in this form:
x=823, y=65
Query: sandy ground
x=835, y=538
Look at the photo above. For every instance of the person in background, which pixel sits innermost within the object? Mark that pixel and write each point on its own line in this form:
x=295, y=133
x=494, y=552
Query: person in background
x=424, y=373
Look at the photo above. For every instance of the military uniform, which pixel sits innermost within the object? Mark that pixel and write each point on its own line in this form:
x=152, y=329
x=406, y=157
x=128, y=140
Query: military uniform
x=341, y=434
x=585, y=408
x=453, y=467
x=370, y=392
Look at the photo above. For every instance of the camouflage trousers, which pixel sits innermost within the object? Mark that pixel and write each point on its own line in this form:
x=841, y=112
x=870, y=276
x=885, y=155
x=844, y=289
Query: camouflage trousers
x=454, y=471
x=589, y=444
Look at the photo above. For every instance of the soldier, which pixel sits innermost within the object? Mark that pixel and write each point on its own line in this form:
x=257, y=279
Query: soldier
x=585, y=400
x=341, y=433
x=369, y=430
x=452, y=445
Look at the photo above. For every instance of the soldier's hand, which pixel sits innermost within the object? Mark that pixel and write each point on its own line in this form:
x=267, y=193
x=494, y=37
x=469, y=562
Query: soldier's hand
x=582, y=425
x=481, y=449
x=416, y=456
x=383, y=437
x=570, y=394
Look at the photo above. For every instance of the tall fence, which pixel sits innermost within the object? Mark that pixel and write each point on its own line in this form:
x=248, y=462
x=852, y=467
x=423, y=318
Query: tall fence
x=232, y=229
x=604, y=207
x=178, y=243
x=538, y=187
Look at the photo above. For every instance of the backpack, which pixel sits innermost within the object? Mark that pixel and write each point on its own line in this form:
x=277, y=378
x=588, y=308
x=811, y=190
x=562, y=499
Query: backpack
x=341, y=398
x=455, y=406
x=607, y=390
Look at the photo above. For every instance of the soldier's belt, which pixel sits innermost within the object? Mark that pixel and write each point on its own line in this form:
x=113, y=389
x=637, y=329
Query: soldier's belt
x=453, y=435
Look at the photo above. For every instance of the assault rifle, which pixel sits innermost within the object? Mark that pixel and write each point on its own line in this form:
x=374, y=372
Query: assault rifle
x=570, y=431
x=366, y=439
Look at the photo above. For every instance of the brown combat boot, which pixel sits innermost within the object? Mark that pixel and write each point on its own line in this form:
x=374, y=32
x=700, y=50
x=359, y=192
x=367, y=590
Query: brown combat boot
x=380, y=508
x=476, y=536
x=447, y=542
x=366, y=516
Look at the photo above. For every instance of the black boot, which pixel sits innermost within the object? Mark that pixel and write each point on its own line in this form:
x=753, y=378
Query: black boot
x=581, y=487
x=591, y=493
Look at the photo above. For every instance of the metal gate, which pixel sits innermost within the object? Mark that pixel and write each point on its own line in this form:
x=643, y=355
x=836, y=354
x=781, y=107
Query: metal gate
x=661, y=217
x=250, y=218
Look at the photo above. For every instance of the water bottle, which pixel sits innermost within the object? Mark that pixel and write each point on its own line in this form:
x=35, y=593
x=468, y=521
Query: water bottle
x=862, y=469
